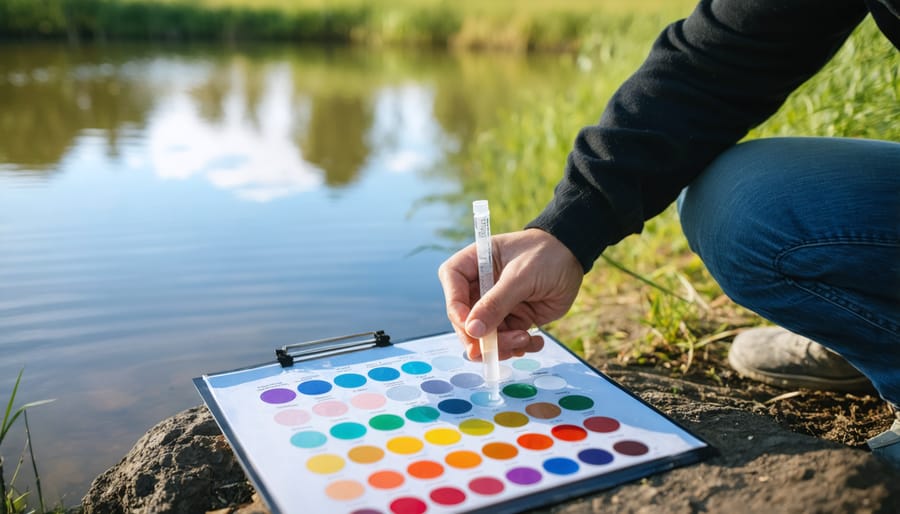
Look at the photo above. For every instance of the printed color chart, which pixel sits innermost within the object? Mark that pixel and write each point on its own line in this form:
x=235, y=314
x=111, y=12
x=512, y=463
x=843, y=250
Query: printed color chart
x=411, y=428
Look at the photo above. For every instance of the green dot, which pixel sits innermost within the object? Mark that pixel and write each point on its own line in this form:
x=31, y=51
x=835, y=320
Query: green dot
x=348, y=430
x=422, y=414
x=520, y=390
x=386, y=422
x=576, y=402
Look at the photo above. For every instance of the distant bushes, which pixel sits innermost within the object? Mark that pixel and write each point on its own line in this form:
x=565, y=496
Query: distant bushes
x=505, y=26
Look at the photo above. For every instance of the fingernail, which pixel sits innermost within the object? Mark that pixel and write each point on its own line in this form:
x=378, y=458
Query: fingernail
x=476, y=328
x=520, y=339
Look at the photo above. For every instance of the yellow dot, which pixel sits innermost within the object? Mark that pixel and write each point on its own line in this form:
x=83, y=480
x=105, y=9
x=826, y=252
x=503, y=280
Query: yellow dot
x=325, y=464
x=442, y=436
x=404, y=445
x=476, y=427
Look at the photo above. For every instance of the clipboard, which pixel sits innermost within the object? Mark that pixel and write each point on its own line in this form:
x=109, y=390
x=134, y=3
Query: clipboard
x=360, y=424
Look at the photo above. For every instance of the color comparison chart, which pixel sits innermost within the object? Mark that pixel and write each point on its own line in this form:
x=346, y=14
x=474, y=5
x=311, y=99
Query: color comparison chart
x=411, y=429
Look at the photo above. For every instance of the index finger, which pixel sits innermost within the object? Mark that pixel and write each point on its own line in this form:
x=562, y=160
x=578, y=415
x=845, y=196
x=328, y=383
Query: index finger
x=456, y=275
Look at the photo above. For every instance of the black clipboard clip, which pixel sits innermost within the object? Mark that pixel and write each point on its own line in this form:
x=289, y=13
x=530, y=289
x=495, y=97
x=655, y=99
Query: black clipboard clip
x=291, y=353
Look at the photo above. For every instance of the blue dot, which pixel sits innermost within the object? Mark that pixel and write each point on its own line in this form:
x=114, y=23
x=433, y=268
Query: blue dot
x=595, y=456
x=314, y=387
x=560, y=466
x=455, y=406
x=416, y=367
x=349, y=380
x=384, y=374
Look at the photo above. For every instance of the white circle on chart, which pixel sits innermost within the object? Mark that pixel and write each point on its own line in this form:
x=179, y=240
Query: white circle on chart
x=550, y=382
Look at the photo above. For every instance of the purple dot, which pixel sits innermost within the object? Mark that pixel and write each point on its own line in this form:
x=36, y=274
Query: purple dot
x=277, y=395
x=523, y=476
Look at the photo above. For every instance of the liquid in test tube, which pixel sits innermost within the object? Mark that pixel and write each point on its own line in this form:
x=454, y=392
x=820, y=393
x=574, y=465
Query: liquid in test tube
x=488, y=343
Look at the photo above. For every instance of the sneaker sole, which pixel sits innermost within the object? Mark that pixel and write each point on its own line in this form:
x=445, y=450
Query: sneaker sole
x=859, y=384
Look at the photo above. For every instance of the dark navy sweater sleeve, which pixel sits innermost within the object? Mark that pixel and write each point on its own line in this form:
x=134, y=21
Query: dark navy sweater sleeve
x=707, y=81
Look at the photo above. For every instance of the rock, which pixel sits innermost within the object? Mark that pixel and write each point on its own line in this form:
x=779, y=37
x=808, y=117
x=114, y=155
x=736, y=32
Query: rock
x=185, y=465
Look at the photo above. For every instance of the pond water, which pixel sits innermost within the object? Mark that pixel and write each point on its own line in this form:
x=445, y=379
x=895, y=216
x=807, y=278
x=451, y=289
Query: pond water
x=167, y=212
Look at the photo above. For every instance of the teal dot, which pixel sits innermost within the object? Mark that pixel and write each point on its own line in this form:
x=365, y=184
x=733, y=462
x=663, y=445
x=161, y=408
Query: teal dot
x=422, y=414
x=310, y=439
x=416, y=367
x=348, y=430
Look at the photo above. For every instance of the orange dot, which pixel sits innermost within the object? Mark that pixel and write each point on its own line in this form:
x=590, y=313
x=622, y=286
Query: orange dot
x=463, y=459
x=425, y=469
x=500, y=451
x=535, y=441
x=386, y=479
x=365, y=454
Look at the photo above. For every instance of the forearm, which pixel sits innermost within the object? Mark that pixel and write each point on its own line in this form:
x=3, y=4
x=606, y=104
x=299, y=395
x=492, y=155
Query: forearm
x=707, y=81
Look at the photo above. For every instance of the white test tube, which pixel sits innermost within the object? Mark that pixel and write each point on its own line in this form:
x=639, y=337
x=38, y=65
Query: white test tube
x=488, y=343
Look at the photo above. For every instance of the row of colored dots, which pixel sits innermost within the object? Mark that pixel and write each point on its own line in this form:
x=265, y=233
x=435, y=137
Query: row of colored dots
x=476, y=427
x=386, y=374
x=464, y=459
x=318, y=387
x=521, y=475
x=426, y=414
x=444, y=436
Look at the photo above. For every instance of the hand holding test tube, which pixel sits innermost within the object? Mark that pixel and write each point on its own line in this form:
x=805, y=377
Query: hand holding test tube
x=488, y=343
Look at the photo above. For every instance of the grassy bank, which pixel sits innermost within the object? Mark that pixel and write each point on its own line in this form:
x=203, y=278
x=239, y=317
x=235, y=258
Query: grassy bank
x=507, y=24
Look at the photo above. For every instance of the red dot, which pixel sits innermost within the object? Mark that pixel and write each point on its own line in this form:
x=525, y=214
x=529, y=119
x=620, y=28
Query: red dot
x=486, y=485
x=569, y=432
x=408, y=505
x=633, y=448
x=601, y=424
x=448, y=496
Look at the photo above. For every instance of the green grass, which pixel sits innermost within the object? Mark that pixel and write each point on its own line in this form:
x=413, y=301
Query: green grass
x=12, y=500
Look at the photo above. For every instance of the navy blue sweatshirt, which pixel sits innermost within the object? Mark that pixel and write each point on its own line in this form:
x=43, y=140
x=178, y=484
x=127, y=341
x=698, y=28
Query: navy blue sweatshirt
x=707, y=81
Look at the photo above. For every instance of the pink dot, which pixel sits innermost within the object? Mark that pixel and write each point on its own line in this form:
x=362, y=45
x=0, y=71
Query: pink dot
x=330, y=409
x=486, y=485
x=292, y=417
x=368, y=401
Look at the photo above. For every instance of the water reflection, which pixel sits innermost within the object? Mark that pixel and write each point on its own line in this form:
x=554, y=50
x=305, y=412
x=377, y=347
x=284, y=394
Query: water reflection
x=165, y=213
x=47, y=99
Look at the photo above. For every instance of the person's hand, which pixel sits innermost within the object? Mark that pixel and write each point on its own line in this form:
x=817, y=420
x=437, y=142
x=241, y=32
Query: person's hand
x=537, y=279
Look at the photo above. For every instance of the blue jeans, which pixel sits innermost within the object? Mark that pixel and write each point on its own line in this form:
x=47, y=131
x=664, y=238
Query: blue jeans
x=806, y=233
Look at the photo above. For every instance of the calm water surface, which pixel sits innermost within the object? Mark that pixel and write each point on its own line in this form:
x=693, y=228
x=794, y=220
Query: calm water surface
x=170, y=212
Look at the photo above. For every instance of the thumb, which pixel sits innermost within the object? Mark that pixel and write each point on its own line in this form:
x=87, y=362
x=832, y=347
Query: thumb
x=488, y=312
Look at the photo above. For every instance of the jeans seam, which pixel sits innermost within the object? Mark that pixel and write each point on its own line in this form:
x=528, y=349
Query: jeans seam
x=828, y=294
